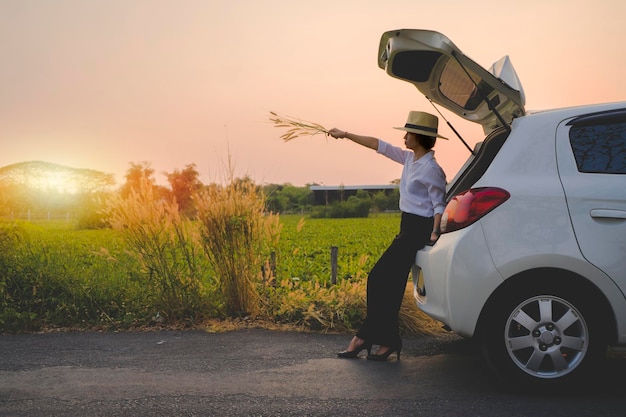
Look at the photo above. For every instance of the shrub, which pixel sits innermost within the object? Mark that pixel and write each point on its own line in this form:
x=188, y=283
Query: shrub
x=90, y=214
x=309, y=305
x=235, y=232
x=352, y=207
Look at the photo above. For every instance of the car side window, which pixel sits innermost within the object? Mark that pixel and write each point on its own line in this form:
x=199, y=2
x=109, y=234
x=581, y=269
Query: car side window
x=599, y=148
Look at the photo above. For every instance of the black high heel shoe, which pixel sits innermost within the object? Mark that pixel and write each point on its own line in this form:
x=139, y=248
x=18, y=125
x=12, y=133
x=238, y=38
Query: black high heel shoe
x=383, y=356
x=351, y=354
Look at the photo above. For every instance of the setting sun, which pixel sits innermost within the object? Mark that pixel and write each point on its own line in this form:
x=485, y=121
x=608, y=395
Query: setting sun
x=56, y=181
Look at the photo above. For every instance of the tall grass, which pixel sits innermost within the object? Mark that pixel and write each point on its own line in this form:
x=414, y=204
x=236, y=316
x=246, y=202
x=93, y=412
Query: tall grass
x=236, y=235
x=208, y=266
x=165, y=244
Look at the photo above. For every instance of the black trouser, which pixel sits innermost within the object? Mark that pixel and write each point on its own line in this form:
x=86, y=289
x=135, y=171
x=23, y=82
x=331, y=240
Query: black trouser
x=386, y=282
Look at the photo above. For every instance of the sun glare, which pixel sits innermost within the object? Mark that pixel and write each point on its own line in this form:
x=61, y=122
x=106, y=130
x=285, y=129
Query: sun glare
x=56, y=181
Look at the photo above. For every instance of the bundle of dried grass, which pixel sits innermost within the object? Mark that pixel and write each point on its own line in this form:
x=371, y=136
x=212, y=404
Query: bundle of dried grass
x=297, y=127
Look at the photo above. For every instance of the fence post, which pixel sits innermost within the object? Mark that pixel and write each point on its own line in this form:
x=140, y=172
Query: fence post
x=333, y=264
x=273, y=266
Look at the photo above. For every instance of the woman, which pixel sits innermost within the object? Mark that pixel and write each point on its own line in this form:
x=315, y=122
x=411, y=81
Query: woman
x=422, y=202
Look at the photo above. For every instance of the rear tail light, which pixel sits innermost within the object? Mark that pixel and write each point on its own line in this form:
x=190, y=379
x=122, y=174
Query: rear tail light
x=469, y=206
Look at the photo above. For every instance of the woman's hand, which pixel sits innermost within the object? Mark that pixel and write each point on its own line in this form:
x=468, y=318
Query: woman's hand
x=336, y=133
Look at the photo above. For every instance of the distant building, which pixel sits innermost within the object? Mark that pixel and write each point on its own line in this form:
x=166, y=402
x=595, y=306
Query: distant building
x=327, y=194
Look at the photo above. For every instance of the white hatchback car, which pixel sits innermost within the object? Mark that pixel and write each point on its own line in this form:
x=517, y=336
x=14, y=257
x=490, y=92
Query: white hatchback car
x=532, y=256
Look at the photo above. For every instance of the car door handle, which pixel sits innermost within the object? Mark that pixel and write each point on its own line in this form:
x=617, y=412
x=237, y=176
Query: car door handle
x=608, y=214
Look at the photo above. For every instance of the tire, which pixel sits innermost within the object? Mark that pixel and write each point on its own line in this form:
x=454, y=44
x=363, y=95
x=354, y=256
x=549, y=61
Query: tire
x=544, y=339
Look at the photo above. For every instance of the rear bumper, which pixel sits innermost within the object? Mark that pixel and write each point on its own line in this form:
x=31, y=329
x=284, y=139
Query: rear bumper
x=457, y=277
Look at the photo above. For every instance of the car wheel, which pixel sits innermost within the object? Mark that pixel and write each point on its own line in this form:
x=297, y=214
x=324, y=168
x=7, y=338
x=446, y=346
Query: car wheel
x=544, y=339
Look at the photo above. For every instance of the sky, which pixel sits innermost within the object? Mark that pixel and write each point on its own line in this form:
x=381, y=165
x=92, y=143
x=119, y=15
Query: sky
x=106, y=84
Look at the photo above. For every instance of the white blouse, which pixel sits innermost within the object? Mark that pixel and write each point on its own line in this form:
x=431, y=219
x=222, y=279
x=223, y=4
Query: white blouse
x=423, y=182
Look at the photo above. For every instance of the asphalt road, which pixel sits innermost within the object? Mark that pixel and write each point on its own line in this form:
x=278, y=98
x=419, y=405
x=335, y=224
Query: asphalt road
x=257, y=372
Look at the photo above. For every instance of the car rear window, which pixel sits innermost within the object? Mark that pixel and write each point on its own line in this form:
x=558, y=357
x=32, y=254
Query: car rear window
x=461, y=86
x=600, y=148
x=478, y=163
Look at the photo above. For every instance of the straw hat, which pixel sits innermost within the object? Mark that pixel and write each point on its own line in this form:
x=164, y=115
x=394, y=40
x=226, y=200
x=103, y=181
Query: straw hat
x=422, y=123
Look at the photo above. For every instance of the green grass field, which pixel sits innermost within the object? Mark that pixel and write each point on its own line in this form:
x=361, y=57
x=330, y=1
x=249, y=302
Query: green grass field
x=52, y=274
x=305, y=251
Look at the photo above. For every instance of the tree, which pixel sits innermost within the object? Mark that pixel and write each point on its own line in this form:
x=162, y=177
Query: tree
x=383, y=201
x=276, y=201
x=47, y=189
x=49, y=177
x=183, y=185
x=134, y=177
x=287, y=198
